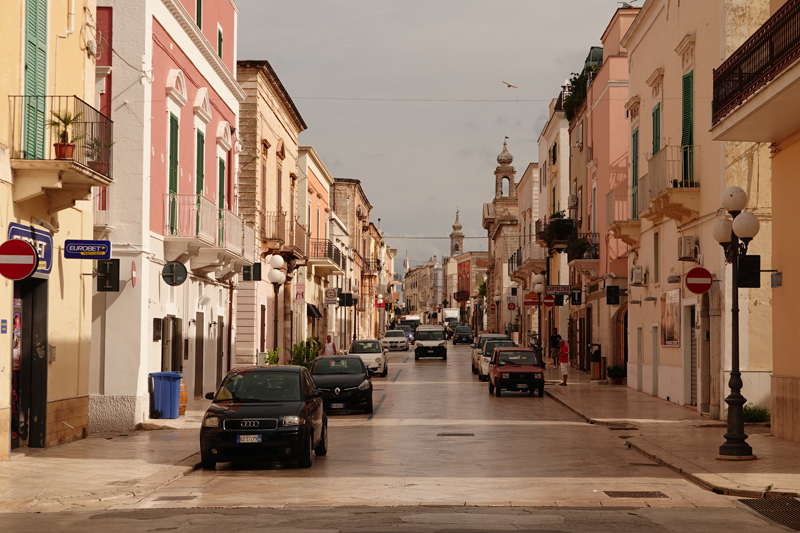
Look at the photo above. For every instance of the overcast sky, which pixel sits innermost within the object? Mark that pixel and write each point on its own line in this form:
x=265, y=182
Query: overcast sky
x=350, y=64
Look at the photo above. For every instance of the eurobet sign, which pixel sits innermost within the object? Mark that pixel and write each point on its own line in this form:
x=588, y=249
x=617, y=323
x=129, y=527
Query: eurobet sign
x=78, y=249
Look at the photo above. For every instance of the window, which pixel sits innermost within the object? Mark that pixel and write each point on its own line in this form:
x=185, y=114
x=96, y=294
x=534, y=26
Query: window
x=656, y=257
x=635, y=175
x=201, y=156
x=221, y=184
x=173, y=170
x=198, y=13
x=219, y=42
x=594, y=229
x=657, y=128
x=687, y=130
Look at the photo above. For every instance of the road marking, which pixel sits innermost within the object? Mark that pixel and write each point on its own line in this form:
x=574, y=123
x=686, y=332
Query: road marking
x=397, y=375
x=375, y=411
x=406, y=359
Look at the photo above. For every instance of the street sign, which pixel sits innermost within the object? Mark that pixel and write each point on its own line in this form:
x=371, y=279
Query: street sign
x=512, y=306
x=576, y=296
x=18, y=259
x=380, y=305
x=331, y=298
x=530, y=303
x=559, y=300
x=549, y=300
x=510, y=299
x=612, y=295
x=493, y=307
x=41, y=240
x=133, y=274
x=531, y=296
x=174, y=273
x=81, y=249
x=698, y=280
x=108, y=275
x=558, y=289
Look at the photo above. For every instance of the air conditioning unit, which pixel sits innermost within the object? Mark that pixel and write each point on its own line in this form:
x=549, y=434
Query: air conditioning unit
x=686, y=248
x=637, y=275
x=573, y=201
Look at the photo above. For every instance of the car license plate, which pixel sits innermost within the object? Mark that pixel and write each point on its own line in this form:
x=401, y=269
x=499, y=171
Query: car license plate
x=337, y=406
x=522, y=385
x=248, y=438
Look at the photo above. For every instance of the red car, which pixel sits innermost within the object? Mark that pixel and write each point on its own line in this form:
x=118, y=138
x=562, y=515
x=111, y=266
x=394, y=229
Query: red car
x=517, y=369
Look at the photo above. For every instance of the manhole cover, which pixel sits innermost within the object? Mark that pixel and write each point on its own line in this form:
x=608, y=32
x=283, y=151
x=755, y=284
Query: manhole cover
x=623, y=429
x=635, y=494
x=455, y=434
x=174, y=498
x=784, y=511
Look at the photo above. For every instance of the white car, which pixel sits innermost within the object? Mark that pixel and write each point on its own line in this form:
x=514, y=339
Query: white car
x=477, y=349
x=486, y=355
x=395, y=339
x=373, y=355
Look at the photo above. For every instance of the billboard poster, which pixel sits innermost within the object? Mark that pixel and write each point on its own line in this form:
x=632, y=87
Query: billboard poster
x=671, y=318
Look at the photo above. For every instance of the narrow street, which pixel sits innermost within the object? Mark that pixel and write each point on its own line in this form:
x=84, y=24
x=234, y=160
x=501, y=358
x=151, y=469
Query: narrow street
x=508, y=463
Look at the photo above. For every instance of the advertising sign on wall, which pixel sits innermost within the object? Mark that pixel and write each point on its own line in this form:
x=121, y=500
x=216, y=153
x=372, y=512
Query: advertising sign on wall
x=671, y=318
x=41, y=240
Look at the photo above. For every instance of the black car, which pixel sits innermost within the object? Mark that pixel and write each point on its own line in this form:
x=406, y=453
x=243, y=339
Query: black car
x=269, y=413
x=344, y=382
x=462, y=334
x=452, y=326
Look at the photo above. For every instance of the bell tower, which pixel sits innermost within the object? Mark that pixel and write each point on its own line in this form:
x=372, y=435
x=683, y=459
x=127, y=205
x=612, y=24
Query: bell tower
x=505, y=171
x=456, y=239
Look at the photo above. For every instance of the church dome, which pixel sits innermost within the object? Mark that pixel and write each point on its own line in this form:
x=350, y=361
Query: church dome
x=457, y=226
x=505, y=158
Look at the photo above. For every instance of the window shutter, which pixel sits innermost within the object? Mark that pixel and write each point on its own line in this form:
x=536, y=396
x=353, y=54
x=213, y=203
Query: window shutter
x=35, y=77
x=201, y=158
x=635, y=175
x=219, y=43
x=221, y=183
x=687, y=135
x=173, y=171
x=656, y=128
x=199, y=13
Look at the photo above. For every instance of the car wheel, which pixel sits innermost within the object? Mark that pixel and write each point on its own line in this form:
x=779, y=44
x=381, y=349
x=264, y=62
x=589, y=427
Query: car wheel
x=541, y=392
x=497, y=391
x=416, y=357
x=491, y=387
x=207, y=464
x=444, y=357
x=474, y=370
x=368, y=408
x=322, y=447
x=305, y=460
x=385, y=370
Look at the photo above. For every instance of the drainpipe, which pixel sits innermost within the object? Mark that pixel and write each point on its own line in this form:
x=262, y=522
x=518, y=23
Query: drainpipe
x=230, y=326
x=70, y=31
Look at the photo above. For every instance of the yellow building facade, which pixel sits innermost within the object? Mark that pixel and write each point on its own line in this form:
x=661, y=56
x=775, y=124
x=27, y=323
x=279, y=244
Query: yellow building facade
x=47, y=173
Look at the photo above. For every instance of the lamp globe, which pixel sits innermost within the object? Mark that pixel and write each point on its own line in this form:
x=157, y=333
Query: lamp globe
x=722, y=230
x=734, y=199
x=746, y=226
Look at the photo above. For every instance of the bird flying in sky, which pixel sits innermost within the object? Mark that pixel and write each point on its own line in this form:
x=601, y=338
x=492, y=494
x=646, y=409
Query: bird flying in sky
x=510, y=86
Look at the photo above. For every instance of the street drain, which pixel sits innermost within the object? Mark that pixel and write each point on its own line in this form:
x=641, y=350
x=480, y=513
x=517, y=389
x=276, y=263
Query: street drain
x=623, y=429
x=174, y=498
x=784, y=511
x=626, y=436
x=634, y=494
x=455, y=434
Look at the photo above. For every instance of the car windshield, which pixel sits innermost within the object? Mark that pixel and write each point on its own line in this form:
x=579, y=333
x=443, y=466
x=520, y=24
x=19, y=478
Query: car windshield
x=395, y=333
x=430, y=335
x=489, y=347
x=406, y=329
x=338, y=365
x=365, y=347
x=484, y=339
x=463, y=329
x=517, y=358
x=251, y=387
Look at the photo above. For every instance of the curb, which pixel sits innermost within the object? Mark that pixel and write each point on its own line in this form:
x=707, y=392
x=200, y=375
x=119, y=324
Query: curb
x=589, y=420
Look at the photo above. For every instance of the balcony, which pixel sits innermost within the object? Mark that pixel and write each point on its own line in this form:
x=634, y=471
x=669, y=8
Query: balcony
x=296, y=241
x=371, y=267
x=673, y=188
x=583, y=253
x=622, y=216
x=324, y=258
x=273, y=229
x=756, y=90
x=61, y=147
x=462, y=296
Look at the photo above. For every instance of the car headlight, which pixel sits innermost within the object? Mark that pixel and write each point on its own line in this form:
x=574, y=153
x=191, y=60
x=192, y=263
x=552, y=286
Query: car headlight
x=211, y=422
x=377, y=359
x=364, y=385
x=505, y=375
x=292, y=421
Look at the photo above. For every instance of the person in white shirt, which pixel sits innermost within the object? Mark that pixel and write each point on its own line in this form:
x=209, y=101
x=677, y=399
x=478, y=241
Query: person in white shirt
x=330, y=347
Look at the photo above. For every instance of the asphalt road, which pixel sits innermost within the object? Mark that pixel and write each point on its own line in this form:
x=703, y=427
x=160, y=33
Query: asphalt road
x=438, y=453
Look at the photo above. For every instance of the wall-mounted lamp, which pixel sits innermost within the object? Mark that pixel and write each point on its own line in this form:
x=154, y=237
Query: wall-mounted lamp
x=674, y=279
x=635, y=302
x=650, y=299
x=192, y=321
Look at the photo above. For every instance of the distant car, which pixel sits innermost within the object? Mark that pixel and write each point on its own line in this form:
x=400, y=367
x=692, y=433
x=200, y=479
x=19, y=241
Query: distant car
x=431, y=342
x=264, y=413
x=451, y=327
x=515, y=369
x=462, y=334
x=409, y=331
x=486, y=356
x=395, y=339
x=344, y=382
x=477, y=348
x=372, y=353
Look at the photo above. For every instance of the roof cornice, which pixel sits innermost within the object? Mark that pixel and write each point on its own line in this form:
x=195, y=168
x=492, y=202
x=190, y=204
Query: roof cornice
x=643, y=12
x=263, y=66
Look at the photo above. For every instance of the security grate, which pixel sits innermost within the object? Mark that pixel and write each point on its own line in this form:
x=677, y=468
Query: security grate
x=784, y=511
x=455, y=434
x=635, y=494
x=173, y=498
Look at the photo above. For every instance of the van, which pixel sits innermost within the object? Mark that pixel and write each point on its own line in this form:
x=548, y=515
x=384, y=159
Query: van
x=431, y=341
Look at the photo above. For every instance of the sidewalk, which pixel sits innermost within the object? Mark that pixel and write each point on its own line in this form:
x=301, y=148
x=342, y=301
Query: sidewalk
x=683, y=440
x=192, y=420
x=101, y=468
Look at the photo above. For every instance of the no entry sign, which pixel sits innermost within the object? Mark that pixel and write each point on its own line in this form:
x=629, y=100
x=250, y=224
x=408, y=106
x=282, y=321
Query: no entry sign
x=698, y=280
x=18, y=259
x=493, y=307
x=549, y=300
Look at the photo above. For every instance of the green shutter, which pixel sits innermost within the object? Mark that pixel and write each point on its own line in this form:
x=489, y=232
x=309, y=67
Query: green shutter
x=221, y=183
x=173, y=171
x=201, y=158
x=656, y=128
x=219, y=43
x=199, y=13
x=35, y=78
x=635, y=175
x=687, y=131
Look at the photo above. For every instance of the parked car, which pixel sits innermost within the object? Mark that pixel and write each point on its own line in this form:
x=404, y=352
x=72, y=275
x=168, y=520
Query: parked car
x=431, y=342
x=372, y=353
x=486, y=356
x=477, y=348
x=266, y=413
x=409, y=331
x=395, y=339
x=462, y=334
x=515, y=369
x=344, y=381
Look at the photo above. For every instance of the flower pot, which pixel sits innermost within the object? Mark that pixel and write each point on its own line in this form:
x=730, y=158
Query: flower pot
x=617, y=381
x=64, y=150
x=101, y=167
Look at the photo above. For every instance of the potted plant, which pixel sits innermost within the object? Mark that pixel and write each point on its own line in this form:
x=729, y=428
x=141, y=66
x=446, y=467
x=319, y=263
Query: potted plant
x=64, y=120
x=557, y=232
x=616, y=374
x=97, y=154
x=578, y=248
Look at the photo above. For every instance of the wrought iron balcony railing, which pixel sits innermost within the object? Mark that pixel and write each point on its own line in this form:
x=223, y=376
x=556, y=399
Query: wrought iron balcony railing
x=462, y=295
x=770, y=50
x=672, y=168
x=273, y=226
x=584, y=246
x=61, y=128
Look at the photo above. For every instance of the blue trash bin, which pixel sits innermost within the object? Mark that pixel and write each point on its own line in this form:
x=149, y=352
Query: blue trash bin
x=166, y=394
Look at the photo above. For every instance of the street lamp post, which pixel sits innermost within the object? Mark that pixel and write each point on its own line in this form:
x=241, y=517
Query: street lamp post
x=538, y=288
x=734, y=236
x=497, y=310
x=469, y=308
x=277, y=278
x=355, y=313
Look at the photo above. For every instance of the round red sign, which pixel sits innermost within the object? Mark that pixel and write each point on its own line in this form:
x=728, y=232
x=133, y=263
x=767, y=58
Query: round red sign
x=512, y=306
x=549, y=300
x=18, y=259
x=493, y=307
x=698, y=280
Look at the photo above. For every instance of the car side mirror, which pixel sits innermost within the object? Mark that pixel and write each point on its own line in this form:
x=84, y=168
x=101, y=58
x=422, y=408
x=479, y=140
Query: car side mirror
x=369, y=372
x=209, y=396
x=316, y=394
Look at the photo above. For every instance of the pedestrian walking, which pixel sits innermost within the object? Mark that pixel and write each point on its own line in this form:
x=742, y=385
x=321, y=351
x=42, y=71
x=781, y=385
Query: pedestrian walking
x=330, y=347
x=563, y=358
x=555, y=346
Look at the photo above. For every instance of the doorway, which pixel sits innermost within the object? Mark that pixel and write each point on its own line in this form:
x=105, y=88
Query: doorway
x=220, y=348
x=199, y=340
x=654, y=359
x=588, y=340
x=172, y=345
x=639, y=356
x=29, y=373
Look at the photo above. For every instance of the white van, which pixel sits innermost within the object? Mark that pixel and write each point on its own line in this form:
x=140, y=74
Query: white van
x=431, y=341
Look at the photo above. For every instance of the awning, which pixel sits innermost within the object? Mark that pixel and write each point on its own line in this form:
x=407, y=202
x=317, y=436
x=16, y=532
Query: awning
x=312, y=311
